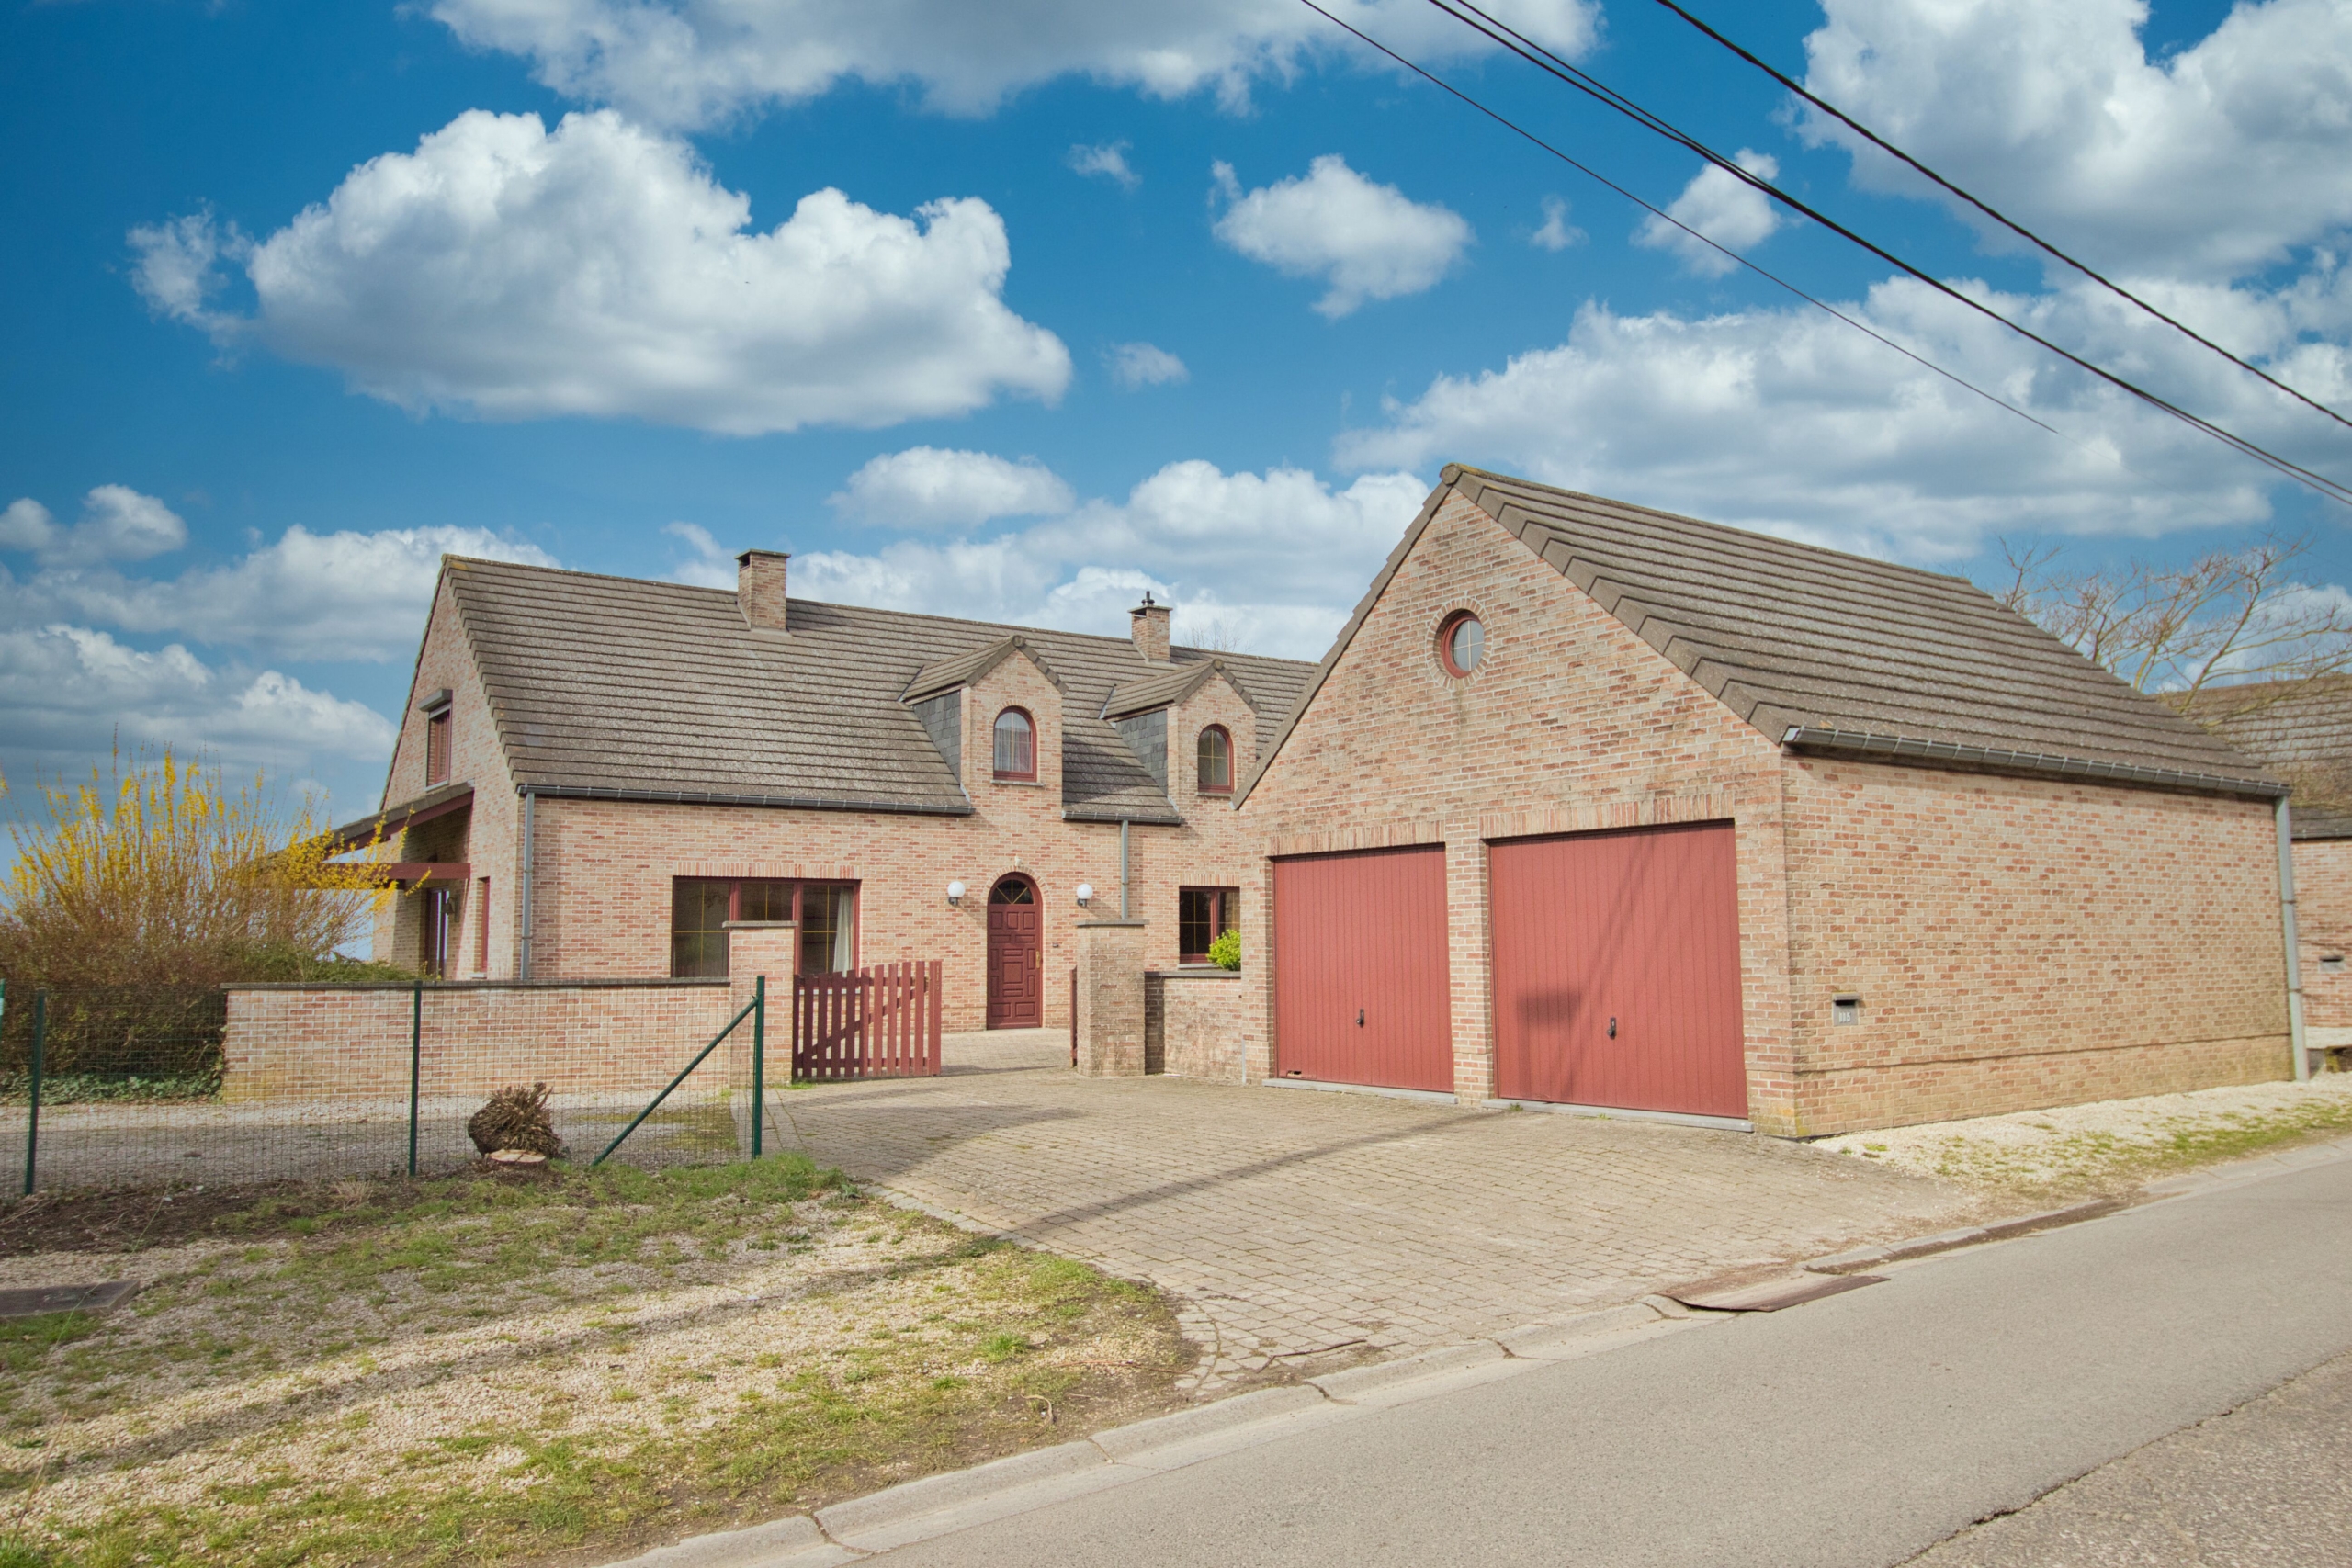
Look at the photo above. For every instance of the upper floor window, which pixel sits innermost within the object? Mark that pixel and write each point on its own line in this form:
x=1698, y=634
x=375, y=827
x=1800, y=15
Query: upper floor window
x=1016, y=745
x=1215, y=761
x=1461, y=643
x=436, y=746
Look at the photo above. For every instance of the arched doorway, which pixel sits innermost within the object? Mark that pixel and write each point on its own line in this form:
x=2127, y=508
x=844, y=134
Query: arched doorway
x=1016, y=955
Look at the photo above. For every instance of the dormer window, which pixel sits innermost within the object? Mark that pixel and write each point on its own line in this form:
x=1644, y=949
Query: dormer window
x=1216, y=755
x=1016, y=745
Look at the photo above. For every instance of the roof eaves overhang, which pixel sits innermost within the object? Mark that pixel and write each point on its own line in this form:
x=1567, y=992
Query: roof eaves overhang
x=722, y=797
x=1916, y=752
x=439, y=801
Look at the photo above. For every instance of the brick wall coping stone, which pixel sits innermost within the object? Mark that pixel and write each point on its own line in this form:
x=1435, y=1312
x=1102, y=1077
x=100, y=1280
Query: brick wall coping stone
x=1195, y=972
x=606, y=985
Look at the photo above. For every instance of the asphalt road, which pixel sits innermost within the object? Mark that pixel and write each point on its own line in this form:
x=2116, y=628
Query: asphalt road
x=1863, y=1429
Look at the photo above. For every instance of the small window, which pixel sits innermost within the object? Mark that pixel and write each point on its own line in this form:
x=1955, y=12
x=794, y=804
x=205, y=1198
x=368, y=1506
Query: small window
x=1016, y=745
x=1203, y=914
x=436, y=746
x=1013, y=890
x=1461, y=643
x=1215, y=761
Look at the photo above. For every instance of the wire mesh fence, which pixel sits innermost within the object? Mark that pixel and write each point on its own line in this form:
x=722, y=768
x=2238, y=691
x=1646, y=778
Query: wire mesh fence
x=139, y=1086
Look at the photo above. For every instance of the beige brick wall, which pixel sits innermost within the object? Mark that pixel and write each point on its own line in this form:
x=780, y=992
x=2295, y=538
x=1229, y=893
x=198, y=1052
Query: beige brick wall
x=2019, y=943
x=310, y=1043
x=1196, y=1025
x=2323, y=922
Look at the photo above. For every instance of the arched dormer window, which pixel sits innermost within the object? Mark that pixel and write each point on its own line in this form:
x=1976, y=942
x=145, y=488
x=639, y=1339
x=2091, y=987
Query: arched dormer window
x=1016, y=745
x=1216, y=755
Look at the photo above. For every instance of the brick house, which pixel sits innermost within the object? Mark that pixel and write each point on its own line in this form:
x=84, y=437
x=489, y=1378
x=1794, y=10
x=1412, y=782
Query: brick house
x=2301, y=730
x=1598, y=805
x=594, y=774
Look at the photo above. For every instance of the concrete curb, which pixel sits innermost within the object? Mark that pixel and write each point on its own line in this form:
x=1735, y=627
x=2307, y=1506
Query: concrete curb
x=939, y=1504
x=1945, y=1241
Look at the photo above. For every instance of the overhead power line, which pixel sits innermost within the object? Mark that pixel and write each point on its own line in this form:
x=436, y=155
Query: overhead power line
x=1664, y=217
x=1542, y=59
x=1883, y=145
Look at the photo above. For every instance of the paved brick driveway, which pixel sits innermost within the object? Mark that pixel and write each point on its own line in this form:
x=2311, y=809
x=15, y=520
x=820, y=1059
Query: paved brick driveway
x=1298, y=1223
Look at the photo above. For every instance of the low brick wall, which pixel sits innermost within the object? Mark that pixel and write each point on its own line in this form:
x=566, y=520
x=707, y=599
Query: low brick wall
x=1196, y=1024
x=303, y=1043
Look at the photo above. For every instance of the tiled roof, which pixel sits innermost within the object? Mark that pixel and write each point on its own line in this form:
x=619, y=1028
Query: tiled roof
x=1164, y=686
x=1841, y=653
x=2300, y=728
x=618, y=686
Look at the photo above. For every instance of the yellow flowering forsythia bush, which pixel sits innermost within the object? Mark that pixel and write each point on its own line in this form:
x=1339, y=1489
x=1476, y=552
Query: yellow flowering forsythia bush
x=157, y=871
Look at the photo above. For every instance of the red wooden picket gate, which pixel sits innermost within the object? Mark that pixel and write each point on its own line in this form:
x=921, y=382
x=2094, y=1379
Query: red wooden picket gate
x=881, y=1023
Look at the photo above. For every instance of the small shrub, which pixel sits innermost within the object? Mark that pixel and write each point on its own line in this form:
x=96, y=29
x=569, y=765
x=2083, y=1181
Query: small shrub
x=515, y=1119
x=1225, y=951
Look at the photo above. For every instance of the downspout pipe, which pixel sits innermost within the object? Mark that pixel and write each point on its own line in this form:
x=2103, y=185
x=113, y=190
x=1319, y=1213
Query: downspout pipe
x=2294, y=954
x=530, y=810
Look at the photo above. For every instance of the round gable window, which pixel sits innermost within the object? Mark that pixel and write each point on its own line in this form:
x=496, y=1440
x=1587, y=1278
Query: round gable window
x=1461, y=643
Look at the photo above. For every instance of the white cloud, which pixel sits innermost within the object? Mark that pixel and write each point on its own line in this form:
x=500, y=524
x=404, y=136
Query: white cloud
x=118, y=524
x=329, y=596
x=692, y=62
x=1369, y=241
x=1134, y=364
x=1109, y=160
x=600, y=270
x=68, y=694
x=1557, y=233
x=1723, y=207
x=925, y=487
x=708, y=564
x=1272, y=563
x=2213, y=162
x=1791, y=422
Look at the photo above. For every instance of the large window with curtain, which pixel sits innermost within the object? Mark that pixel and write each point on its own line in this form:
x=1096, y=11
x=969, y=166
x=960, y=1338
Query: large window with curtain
x=700, y=908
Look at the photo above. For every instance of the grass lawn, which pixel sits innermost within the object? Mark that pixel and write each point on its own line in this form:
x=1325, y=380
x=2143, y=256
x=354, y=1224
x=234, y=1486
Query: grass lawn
x=562, y=1368
x=2112, y=1147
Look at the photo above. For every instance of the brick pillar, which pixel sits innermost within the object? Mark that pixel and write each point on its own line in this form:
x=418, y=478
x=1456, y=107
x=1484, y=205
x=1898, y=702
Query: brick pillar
x=1469, y=964
x=762, y=947
x=1111, y=998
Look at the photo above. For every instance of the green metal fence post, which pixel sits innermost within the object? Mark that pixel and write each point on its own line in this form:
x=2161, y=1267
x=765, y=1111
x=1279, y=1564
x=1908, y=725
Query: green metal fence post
x=759, y=1058
x=32, y=1119
x=415, y=1065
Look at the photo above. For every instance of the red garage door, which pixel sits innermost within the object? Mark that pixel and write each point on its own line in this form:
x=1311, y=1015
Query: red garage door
x=1360, y=971
x=1617, y=970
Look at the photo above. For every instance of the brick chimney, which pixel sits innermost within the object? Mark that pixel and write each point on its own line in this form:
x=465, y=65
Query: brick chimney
x=1148, y=623
x=759, y=587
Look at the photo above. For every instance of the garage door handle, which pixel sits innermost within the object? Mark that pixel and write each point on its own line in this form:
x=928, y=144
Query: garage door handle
x=1612, y=1029
x=1359, y=1017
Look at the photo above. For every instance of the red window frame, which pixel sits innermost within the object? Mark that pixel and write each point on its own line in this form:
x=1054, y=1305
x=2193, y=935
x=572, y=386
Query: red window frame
x=1009, y=774
x=793, y=888
x=1445, y=630
x=1200, y=780
x=1224, y=914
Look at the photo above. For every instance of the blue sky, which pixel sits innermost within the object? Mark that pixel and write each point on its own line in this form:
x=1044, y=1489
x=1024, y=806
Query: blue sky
x=1192, y=295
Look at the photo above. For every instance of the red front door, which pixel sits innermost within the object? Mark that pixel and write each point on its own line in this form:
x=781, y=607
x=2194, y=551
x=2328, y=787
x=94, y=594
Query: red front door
x=1361, y=992
x=1616, y=972
x=1016, y=956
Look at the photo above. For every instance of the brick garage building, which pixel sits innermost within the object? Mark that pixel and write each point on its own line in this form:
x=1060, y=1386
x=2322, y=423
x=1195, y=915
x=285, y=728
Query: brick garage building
x=595, y=773
x=1595, y=805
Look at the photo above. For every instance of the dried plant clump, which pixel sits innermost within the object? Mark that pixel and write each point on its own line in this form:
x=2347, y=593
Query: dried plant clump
x=515, y=1117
